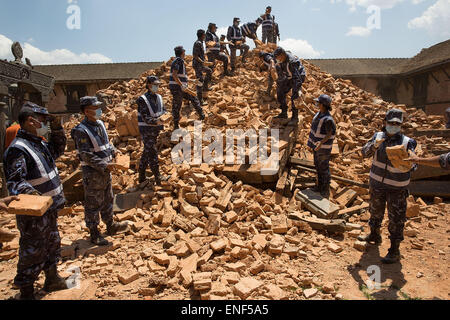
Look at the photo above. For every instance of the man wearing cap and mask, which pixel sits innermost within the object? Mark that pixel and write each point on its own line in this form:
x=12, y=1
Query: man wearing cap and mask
x=388, y=184
x=178, y=86
x=268, y=26
x=29, y=165
x=150, y=110
x=291, y=75
x=321, y=139
x=213, y=50
x=96, y=154
x=201, y=66
x=237, y=40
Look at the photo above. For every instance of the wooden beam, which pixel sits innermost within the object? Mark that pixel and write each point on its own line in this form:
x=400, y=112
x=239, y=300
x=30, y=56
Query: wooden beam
x=430, y=188
x=424, y=172
x=444, y=133
x=348, y=181
x=302, y=162
x=318, y=205
x=335, y=226
x=432, y=75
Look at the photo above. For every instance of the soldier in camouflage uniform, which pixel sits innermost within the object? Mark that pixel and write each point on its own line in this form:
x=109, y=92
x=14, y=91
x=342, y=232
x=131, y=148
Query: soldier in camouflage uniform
x=96, y=155
x=30, y=169
x=150, y=109
x=201, y=66
x=388, y=184
x=178, y=85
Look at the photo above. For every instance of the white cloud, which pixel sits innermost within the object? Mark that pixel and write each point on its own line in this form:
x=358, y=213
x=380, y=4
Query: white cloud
x=359, y=32
x=300, y=48
x=436, y=19
x=57, y=56
x=383, y=4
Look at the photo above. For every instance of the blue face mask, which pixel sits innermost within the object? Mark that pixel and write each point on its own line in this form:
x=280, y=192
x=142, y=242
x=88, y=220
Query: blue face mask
x=392, y=130
x=98, y=114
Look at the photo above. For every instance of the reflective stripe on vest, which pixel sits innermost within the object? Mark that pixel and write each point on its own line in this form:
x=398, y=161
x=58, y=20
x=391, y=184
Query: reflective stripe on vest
x=216, y=40
x=100, y=150
x=268, y=21
x=182, y=76
x=245, y=29
x=316, y=134
x=236, y=34
x=160, y=112
x=392, y=176
x=45, y=176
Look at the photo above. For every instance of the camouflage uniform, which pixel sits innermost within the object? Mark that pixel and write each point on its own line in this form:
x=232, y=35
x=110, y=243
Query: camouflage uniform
x=234, y=35
x=39, y=237
x=388, y=186
x=268, y=34
x=98, y=193
x=200, y=69
x=149, y=133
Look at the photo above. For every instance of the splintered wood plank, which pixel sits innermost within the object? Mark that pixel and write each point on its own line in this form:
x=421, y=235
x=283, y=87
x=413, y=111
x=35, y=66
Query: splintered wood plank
x=318, y=205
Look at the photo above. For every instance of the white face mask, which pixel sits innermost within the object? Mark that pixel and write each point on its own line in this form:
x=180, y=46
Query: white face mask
x=98, y=114
x=43, y=130
x=392, y=130
x=154, y=89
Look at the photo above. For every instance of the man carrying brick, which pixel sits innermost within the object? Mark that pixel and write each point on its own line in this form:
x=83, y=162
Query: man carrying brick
x=267, y=63
x=30, y=169
x=96, y=154
x=249, y=29
x=237, y=43
x=291, y=75
x=150, y=110
x=178, y=86
x=201, y=66
x=388, y=184
x=214, y=51
x=321, y=139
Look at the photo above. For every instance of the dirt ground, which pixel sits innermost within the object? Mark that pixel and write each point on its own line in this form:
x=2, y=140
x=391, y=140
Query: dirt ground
x=422, y=274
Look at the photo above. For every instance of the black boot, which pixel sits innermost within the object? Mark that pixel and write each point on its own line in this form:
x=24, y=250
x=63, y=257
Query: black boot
x=142, y=177
x=374, y=237
x=201, y=115
x=393, y=255
x=294, y=119
x=283, y=114
x=27, y=293
x=116, y=227
x=176, y=125
x=53, y=282
x=96, y=237
x=325, y=192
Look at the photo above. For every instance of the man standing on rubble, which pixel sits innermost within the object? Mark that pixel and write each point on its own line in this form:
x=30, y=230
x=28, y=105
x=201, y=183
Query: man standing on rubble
x=200, y=66
x=237, y=40
x=178, y=86
x=150, y=110
x=96, y=154
x=321, y=139
x=30, y=169
x=291, y=75
x=268, y=26
x=213, y=49
x=267, y=63
x=388, y=184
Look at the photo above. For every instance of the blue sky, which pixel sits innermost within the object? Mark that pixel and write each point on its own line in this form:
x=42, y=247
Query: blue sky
x=147, y=30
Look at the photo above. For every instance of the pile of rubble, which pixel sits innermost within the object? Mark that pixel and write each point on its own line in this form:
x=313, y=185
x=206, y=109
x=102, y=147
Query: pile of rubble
x=203, y=231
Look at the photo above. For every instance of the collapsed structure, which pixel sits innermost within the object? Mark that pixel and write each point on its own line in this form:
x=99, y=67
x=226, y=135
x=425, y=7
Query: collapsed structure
x=205, y=219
